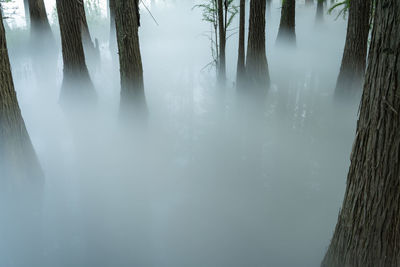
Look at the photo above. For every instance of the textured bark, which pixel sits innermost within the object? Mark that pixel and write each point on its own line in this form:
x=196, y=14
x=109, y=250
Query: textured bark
x=352, y=70
x=256, y=62
x=320, y=11
x=133, y=102
x=113, y=33
x=222, y=42
x=287, y=28
x=40, y=26
x=18, y=161
x=240, y=73
x=368, y=228
x=77, y=84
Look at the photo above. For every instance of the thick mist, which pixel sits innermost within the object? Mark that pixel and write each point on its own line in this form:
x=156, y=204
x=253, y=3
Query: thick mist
x=213, y=178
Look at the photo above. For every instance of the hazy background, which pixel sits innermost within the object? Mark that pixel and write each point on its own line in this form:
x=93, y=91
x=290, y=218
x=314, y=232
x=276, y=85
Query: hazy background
x=212, y=179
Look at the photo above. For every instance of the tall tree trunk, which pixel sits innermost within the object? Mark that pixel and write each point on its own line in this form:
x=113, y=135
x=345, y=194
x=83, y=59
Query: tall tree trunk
x=257, y=71
x=127, y=18
x=319, y=17
x=77, y=85
x=113, y=33
x=352, y=69
x=309, y=2
x=40, y=27
x=18, y=161
x=89, y=46
x=240, y=73
x=287, y=28
x=368, y=228
x=222, y=43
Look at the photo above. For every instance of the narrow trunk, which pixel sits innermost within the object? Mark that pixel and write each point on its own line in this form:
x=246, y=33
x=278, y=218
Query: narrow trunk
x=133, y=102
x=368, y=228
x=18, y=161
x=320, y=11
x=113, y=33
x=77, y=84
x=240, y=73
x=287, y=32
x=89, y=46
x=256, y=62
x=222, y=43
x=355, y=50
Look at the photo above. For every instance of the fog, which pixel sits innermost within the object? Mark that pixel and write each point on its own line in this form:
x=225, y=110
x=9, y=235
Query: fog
x=213, y=178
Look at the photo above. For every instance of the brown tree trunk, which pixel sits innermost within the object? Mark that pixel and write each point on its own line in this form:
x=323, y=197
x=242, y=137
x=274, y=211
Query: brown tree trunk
x=352, y=70
x=18, y=161
x=240, y=73
x=319, y=17
x=133, y=102
x=368, y=228
x=222, y=43
x=287, y=28
x=256, y=62
x=77, y=85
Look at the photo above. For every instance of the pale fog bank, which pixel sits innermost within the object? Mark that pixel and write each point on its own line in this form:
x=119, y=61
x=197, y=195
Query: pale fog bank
x=212, y=179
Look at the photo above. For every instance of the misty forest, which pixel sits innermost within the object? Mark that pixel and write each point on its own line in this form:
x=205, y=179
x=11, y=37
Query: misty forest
x=200, y=133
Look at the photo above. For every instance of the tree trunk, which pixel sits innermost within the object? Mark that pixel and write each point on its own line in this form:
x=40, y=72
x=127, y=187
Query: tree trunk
x=40, y=27
x=309, y=2
x=240, y=73
x=320, y=11
x=222, y=43
x=113, y=33
x=287, y=31
x=368, y=228
x=352, y=69
x=18, y=161
x=133, y=102
x=89, y=46
x=77, y=85
x=256, y=63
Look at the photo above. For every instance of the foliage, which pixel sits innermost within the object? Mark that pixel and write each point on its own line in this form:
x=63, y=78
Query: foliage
x=344, y=8
x=210, y=15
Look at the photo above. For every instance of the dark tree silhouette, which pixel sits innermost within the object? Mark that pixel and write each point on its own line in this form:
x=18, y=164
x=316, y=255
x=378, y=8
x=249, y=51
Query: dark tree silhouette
x=241, y=70
x=257, y=72
x=76, y=85
x=127, y=19
x=352, y=70
x=287, y=27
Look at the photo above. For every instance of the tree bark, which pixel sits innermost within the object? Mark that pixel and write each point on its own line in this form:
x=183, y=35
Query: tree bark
x=18, y=160
x=133, y=102
x=368, y=228
x=222, y=43
x=76, y=85
x=241, y=70
x=287, y=28
x=256, y=62
x=352, y=70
